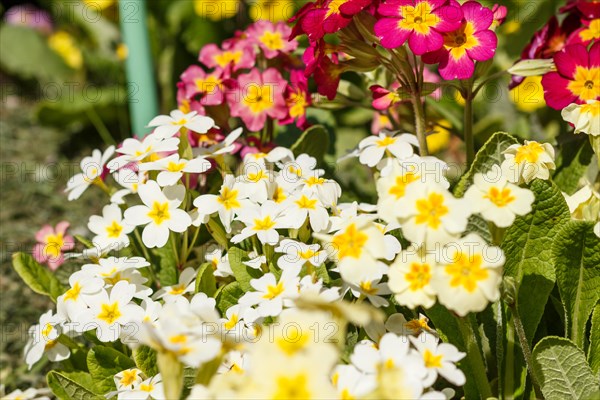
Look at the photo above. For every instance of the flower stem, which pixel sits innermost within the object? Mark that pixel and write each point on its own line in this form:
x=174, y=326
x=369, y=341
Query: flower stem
x=100, y=127
x=474, y=357
x=420, y=124
x=468, y=127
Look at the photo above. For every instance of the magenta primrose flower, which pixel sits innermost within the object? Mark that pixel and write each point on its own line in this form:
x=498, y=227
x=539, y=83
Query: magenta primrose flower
x=51, y=244
x=472, y=41
x=272, y=38
x=259, y=95
x=208, y=87
x=239, y=56
x=420, y=22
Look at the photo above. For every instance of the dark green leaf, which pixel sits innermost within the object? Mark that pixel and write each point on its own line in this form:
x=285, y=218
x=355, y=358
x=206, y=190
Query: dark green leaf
x=104, y=363
x=72, y=385
x=39, y=278
x=314, y=142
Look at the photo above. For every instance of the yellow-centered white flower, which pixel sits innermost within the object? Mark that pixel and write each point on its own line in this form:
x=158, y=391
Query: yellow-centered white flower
x=584, y=117
x=524, y=163
x=410, y=279
x=168, y=125
x=172, y=168
x=439, y=358
x=91, y=172
x=110, y=229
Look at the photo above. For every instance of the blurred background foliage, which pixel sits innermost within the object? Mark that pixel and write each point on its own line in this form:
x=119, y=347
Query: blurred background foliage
x=64, y=91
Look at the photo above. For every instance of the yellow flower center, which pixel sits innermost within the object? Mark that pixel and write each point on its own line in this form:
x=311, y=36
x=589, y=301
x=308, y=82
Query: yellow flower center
x=431, y=210
x=178, y=339
x=53, y=245
x=367, y=288
x=46, y=331
x=274, y=291
x=593, y=109
x=306, y=203
x=182, y=121
x=208, y=84
x=399, y=189
x=297, y=103
x=431, y=360
x=292, y=388
x=232, y=322
x=227, y=57
x=334, y=7
x=279, y=195
x=264, y=224
x=418, y=18
x=460, y=40
x=585, y=83
x=306, y=255
x=114, y=230
x=73, y=293
x=419, y=275
x=350, y=243
x=529, y=152
x=466, y=271
x=175, y=167
x=257, y=176
x=160, y=212
x=272, y=40
x=346, y=395
x=177, y=289
x=109, y=313
x=129, y=377
x=259, y=98
x=592, y=32
x=146, y=387
x=294, y=340
x=501, y=198
x=228, y=198
x=313, y=180
x=386, y=141
x=417, y=325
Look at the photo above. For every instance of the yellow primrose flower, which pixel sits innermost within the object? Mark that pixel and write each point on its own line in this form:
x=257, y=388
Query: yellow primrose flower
x=529, y=95
x=272, y=10
x=64, y=45
x=217, y=10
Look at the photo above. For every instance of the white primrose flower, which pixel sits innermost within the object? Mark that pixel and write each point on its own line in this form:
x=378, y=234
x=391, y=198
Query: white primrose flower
x=352, y=383
x=152, y=311
x=524, y=163
x=584, y=204
x=27, y=394
x=172, y=168
x=134, y=150
x=372, y=290
x=110, y=229
x=372, y=149
x=469, y=276
x=186, y=284
x=430, y=215
x=300, y=206
x=272, y=295
x=159, y=213
x=410, y=279
x=110, y=268
x=262, y=221
x=327, y=191
x=239, y=323
x=584, y=117
x=234, y=362
x=43, y=339
x=392, y=244
x=224, y=147
x=257, y=183
x=295, y=170
x=439, y=358
x=130, y=179
x=109, y=312
x=310, y=287
x=92, y=168
x=220, y=262
x=73, y=302
x=230, y=200
x=168, y=125
x=297, y=254
x=128, y=379
x=496, y=199
x=255, y=260
x=151, y=388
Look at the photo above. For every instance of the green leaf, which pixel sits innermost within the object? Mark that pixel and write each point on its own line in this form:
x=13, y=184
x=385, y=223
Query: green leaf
x=167, y=272
x=576, y=256
x=594, y=350
x=229, y=296
x=243, y=273
x=314, y=142
x=39, y=278
x=488, y=155
x=574, y=159
x=562, y=371
x=205, y=280
x=104, y=363
x=72, y=385
x=145, y=359
x=527, y=247
x=84, y=241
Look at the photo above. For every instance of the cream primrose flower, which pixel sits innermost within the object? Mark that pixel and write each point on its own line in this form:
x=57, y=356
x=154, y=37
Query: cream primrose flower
x=130, y=179
x=524, y=163
x=294, y=171
x=469, y=275
x=260, y=159
x=430, y=215
x=128, y=379
x=219, y=261
x=172, y=168
x=272, y=295
x=159, y=213
x=439, y=358
x=344, y=212
x=584, y=204
x=186, y=284
x=110, y=229
x=584, y=117
x=352, y=383
x=258, y=183
x=396, y=323
x=398, y=368
x=429, y=168
x=92, y=168
x=498, y=200
x=309, y=287
x=392, y=244
x=597, y=229
x=297, y=254
x=152, y=311
x=151, y=388
x=327, y=191
x=224, y=147
x=262, y=221
x=372, y=149
x=255, y=260
x=239, y=323
x=113, y=270
x=410, y=279
x=109, y=312
x=27, y=394
x=135, y=151
x=236, y=362
x=300, y=206
x=231, y=200
x=166, y=126
x=355, y=248
x=372, y=290
x=43, y=339
x=73, y=302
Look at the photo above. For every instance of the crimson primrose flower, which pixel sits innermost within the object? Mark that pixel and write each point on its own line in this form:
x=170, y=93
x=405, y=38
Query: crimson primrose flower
x=577, y=78
x=473, y=41
x=420, y=22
